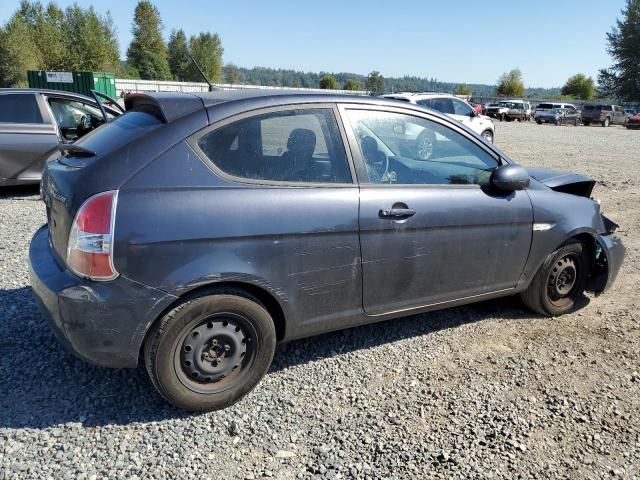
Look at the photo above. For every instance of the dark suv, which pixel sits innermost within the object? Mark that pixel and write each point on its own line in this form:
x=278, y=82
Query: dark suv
x=197, y=231
x=605, y=115
x=34, y=123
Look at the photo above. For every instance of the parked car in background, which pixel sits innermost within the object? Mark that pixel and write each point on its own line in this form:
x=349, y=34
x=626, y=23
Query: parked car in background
x=35, y=123
x=548, y=112
x=630, y=112
x=633, y=122
x=510, y=110
x=452, y=106
x=198, y=230
x=477, y=107
x=568, y=116
x=604, y=114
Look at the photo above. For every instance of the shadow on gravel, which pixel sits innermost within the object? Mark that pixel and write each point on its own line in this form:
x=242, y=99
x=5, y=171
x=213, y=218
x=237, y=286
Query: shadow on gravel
x=43, y=385
x=19, y=191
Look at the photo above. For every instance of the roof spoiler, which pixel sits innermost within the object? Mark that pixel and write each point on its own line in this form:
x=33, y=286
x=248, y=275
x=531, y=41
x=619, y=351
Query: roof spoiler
x=165, y=106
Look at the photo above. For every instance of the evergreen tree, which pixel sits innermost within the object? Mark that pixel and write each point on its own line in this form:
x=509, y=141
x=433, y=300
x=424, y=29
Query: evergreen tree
x=463, y=90
x=622, y=79
x=179, y=61
x=147, y=52
x=375, y=83
x=206, y=50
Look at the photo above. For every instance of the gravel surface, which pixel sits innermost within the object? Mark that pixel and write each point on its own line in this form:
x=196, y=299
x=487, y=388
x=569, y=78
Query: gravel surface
x=483, y=391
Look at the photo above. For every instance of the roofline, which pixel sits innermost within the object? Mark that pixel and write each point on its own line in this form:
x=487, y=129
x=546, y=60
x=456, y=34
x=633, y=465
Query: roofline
x=47, y=91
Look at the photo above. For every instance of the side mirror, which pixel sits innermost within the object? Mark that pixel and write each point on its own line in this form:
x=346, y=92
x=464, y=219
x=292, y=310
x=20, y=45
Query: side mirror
x=510, y=178
x=473, y=113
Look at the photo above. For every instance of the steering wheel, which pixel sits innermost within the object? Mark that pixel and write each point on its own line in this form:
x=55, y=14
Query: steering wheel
x=85, y=124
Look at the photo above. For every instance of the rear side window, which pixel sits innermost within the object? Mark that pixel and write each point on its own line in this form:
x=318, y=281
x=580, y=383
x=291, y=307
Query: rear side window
x=444, y=105
x=545, y=106
x=119, y=132
x=19, y=108
x=290, y=146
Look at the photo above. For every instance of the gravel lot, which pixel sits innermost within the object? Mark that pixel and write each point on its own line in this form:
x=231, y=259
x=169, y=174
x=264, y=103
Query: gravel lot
x=483, y=391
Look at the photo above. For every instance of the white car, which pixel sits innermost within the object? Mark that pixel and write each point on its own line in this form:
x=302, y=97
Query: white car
x=452, y=106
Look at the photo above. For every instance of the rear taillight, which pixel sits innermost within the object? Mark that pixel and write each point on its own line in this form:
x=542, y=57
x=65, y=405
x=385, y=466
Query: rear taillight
x=90, y=251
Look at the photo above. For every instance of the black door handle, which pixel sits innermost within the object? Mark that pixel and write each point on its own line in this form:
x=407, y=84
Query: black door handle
x=397, y=213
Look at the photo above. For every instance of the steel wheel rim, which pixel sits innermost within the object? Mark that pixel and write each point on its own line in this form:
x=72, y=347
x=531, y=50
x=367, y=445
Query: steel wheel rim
x=563, y=278
x=425, y=148
x=215, y=353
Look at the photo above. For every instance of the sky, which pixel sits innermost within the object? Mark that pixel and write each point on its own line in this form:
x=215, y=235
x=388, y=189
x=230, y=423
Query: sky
x=465, y=41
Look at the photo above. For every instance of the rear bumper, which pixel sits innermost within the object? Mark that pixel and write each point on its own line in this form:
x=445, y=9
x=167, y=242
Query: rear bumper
x=103, y=323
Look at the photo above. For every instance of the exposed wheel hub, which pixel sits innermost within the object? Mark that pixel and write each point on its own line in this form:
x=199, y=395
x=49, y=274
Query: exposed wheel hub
x=213, y=350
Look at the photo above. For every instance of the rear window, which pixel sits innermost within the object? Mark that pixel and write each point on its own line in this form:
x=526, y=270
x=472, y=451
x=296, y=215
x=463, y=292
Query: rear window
x=119, y=132
x=19, y=108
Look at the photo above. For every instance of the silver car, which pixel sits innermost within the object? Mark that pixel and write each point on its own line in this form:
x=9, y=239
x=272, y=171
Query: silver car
x=35, y=123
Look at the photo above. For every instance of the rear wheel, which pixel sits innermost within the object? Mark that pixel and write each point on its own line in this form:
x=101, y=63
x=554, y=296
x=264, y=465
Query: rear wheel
x=539, y=122
x=576, y=122
x=210, y=351
x=607, y=122
x=560, y=282
x=586, y=124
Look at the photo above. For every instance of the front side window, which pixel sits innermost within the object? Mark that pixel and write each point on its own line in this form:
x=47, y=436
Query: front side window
x=75, y=119
x=19, y=108
x=461, y=108
x=289, y=146
x=407, y=150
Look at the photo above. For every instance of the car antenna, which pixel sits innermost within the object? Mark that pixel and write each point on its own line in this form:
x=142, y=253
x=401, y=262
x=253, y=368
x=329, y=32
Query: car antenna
x=211, y=87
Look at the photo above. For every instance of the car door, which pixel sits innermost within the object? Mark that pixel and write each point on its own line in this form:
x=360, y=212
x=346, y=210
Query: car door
x=25, y=139
x=432, y=231
x=74, y=117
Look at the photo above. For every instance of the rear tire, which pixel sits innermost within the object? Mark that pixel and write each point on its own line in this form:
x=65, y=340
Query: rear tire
x=560, y=282
x=539, y=122
x=577, y=122
x=586, y=124
x=606, y=122
x=210, y=351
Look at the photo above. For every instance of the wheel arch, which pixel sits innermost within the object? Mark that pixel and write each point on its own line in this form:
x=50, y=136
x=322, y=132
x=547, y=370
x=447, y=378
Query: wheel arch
x=266, y=299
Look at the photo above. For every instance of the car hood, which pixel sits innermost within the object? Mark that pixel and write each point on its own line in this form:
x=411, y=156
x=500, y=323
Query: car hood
x=564, y=182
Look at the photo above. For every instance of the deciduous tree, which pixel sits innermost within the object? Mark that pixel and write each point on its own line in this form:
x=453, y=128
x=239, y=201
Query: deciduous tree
x=510, y=84
x=328, y=82
x=147, y=52
x=178, y=53
x=206, y=50
x=580, y=86
x=352, y=84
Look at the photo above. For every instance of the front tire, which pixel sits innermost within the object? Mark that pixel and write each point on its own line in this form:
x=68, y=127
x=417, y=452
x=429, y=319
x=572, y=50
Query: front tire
x=210, y=351
x=488, y=136
x=559, y=284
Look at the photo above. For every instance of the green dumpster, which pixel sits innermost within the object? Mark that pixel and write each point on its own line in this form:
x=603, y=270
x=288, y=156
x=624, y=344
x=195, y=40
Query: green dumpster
x=78, y=82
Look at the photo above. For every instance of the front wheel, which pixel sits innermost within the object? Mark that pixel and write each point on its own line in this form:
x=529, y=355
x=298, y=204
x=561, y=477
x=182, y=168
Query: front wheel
x=488, y=136
x=210, y=351
x=560, y=282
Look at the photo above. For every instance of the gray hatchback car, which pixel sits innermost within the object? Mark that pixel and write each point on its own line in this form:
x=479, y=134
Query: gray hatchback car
x=197, y=231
